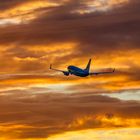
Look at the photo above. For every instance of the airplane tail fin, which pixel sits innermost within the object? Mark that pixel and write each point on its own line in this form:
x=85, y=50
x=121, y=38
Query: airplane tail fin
x=88, y=65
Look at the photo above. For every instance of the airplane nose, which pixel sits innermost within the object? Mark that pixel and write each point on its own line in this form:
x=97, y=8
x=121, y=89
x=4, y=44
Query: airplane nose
x=69, y=67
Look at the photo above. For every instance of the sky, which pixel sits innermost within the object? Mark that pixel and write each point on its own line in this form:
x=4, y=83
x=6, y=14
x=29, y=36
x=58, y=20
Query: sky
x=39, y=104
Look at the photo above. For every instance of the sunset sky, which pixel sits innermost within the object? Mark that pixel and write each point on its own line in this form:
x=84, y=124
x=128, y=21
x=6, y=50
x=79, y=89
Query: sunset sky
x=39, y=104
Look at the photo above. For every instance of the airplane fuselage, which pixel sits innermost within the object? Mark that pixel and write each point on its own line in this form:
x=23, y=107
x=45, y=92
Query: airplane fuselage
x=73, y=70
x=77, y=71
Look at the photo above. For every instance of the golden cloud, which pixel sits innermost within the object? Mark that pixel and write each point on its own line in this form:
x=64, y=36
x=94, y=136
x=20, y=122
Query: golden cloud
x=37, y=103
x=119, y=134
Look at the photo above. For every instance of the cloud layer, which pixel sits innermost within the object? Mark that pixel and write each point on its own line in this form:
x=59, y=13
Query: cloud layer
x=37, y=103
x=46, y=114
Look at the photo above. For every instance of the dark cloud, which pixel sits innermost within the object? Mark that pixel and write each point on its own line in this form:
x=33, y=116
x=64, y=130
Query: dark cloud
x=97, y=31
x=54, y=113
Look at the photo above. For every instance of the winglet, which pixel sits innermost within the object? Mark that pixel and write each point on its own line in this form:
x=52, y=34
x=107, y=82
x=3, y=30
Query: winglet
x=113, y=70
x=50, y=66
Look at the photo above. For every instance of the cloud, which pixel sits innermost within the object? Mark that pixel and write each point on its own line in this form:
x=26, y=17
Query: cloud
x=8, y=4
x=94, y=29
x=96, y=33
x=46, y=114
x=67, y=33
x=98, y=29
x=126, y=79
x=119, y=134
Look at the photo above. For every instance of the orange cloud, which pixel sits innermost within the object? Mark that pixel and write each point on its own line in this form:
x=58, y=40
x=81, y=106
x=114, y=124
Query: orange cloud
x=104, y=121
x=37, y=103
x=28, y=116
x=24, y=11
x=119, y=134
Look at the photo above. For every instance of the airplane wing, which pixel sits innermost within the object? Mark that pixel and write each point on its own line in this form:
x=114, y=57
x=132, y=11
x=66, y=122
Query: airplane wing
x=64, y=72
x=103, y=72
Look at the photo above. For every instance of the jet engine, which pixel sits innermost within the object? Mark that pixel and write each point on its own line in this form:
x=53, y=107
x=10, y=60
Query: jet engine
x=66, y=73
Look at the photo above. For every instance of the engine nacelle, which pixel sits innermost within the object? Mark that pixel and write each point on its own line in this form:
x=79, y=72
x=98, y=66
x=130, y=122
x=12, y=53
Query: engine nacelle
x=66, y=73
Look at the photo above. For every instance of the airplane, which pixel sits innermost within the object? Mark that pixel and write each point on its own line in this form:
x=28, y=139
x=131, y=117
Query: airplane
x=73, y=70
